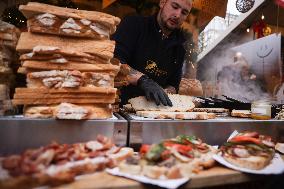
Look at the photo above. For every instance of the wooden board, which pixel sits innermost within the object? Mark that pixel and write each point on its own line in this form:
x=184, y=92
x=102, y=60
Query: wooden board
x=212, y=177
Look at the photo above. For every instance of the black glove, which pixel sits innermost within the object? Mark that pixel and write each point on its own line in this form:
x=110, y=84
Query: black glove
x=153, y=91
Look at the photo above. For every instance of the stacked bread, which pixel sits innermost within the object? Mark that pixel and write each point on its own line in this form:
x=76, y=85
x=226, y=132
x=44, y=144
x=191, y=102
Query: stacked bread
x=182, y=108
x=9, y=35
x=68, y=60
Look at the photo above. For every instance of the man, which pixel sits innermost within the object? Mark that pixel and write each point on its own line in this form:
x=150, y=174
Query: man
x=153, y=48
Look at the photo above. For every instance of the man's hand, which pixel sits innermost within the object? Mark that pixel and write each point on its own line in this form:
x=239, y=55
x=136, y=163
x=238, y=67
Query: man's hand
x=153, y=91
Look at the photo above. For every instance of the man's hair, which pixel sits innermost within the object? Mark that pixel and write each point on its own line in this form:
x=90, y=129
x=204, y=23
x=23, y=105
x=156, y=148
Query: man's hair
x=187, y=0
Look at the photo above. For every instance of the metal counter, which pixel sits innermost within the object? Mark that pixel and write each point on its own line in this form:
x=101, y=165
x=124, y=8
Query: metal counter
x=214, y=131
x=18, y=133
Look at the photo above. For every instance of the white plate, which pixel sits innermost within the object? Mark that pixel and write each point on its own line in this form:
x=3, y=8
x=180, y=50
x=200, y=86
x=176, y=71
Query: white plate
x=169, y=183
x=275, y=167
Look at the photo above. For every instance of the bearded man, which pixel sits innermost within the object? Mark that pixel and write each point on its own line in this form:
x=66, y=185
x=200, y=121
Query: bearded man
x=153, y=49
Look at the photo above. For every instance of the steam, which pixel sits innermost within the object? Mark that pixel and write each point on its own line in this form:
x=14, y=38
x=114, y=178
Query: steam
x=244, y=92
x=231, y=75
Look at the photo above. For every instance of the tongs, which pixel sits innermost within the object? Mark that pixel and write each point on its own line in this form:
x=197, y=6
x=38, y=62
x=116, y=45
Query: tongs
x=234, y=100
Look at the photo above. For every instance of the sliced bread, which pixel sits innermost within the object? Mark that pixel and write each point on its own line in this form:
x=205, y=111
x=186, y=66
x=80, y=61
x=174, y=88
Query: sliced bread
x=181, y=103
x=241, y=113
x=173, y=115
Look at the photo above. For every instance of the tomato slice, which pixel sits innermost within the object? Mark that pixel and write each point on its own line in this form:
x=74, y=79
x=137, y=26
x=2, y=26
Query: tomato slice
x=179, y=147
x=166, y=154
x=245, y=139
x=144, y=148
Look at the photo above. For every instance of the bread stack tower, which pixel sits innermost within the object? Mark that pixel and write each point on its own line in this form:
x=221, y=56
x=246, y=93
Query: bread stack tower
x=68, y=60
x=9, y=36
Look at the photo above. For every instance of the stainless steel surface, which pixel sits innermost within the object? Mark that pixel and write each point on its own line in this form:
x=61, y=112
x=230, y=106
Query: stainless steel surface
x=213, y=132
x=18, y=134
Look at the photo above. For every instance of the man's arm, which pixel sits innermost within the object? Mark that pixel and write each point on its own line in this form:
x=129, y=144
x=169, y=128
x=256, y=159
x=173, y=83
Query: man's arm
x=134, y=76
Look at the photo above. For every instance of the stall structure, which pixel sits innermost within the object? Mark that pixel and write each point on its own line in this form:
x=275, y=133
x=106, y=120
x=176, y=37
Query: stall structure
x=125, y=129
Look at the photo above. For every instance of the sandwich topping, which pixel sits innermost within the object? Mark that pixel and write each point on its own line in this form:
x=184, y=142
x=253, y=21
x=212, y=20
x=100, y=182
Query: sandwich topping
x=249, y=144
x=171, y=158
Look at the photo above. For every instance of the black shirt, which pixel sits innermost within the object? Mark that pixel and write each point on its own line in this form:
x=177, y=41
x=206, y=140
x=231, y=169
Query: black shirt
x=139, y=44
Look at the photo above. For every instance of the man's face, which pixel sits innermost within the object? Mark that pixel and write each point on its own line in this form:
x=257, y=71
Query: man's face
x=174, y=12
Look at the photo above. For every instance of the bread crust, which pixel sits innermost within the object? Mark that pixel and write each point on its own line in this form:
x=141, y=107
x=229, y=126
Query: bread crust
x=241, y=113
x=253, y=162
x=153, y=171
x=93, y=111
x=97, y=31
x=33, y=8
x=130, y=169
x=97, y=90
x=52, y=58
x=103, y=48
x=42, y=65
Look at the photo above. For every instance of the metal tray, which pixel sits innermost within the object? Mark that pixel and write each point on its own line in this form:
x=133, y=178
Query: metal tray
x=18, y=133
x=214, y=132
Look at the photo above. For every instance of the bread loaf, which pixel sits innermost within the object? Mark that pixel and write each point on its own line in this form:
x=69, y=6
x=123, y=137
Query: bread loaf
x=181, y=103
x=191, y=87
x=69, y=111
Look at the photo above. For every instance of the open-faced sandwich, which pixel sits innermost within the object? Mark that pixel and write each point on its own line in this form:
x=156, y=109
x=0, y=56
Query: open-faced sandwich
x=174, y=158
x=59, y=163
x=249, y=150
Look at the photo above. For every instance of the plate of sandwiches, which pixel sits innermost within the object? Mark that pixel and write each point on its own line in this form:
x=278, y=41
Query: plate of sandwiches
x=250, y=152
x=169, y=163
x=56, y=164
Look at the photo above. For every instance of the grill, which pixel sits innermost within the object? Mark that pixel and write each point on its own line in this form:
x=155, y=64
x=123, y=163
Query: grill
x=232, y=103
